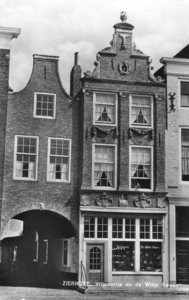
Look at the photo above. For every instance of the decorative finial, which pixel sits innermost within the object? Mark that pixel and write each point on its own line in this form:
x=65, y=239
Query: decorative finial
x=123, y=16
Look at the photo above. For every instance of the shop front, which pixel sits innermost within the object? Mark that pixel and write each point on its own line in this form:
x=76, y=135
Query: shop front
x=124, y=246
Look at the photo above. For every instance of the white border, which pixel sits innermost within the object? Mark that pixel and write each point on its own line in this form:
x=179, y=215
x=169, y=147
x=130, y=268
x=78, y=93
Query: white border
x=130, y=113
x=116, y=109
x=48, y=157
x=115, y=169
x=151, y=169
x=15, y=152
x=54, y=106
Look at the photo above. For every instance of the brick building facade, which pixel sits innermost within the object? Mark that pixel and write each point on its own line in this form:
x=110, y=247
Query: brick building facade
x=39, y=211
x=123, y=215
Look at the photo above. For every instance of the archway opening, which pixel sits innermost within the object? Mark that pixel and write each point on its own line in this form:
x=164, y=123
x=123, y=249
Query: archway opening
x=42, y=253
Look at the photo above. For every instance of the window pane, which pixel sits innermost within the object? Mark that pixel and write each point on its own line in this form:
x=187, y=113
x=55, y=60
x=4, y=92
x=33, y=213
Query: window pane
x=150, y=257
x=145, y=228
x=129, y=228
x=117, y=228
x=123, y=256
x=89, y=227
x=105, y=108
x=102, y=227
x=157, y=228
x=141, y=168
x=185, y=154
x=141, y=110
x=104, y=166
x=182, y=222
x=44, y=105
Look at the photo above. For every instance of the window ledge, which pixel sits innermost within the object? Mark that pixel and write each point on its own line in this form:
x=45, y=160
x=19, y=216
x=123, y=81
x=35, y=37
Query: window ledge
x=135, y=273
x=24, y=179
x=58, y=181
x=43, y=117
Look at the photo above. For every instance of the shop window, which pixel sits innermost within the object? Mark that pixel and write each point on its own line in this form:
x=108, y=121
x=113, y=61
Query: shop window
x=102, y=228
x=104, y=166
x=45, y=251
x=184, y=87
x=44, y=105
x=123, y=256
x=89, y=227
x=182, y=223
x=139, y=255
x=117, y=227
x=141, y=168
x=59, y=160
x=150, y=256
x=105, y=108
x=25, y=158
x=185, y=154
x=141, y=111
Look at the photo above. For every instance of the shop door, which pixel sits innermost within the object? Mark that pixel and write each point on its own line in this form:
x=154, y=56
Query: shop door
x=95, y=263
x=183, y=262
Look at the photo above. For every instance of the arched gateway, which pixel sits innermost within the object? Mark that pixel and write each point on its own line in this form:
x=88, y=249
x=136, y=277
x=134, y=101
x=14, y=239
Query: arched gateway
x=39, y=248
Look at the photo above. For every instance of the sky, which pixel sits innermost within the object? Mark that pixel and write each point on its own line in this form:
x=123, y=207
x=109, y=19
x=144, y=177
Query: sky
x=63, y=27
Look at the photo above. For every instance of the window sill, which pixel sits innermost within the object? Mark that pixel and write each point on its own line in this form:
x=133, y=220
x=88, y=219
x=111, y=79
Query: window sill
x=24, y=179
x=104, y=188
x=58, y=181
x=141, y=190
x=135, y=273
x=105, y=124
x=43, y=117
x=141, y=126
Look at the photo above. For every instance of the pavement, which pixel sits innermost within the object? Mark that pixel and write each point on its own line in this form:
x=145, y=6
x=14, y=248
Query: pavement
x=32, y=293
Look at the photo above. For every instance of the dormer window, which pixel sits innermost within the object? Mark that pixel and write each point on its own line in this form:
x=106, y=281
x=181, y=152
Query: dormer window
x=105, y=108
x=44, y=105
x=141, y=111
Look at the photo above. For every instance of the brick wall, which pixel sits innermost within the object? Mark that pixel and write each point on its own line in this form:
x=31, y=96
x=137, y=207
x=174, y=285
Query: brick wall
x=60, y=197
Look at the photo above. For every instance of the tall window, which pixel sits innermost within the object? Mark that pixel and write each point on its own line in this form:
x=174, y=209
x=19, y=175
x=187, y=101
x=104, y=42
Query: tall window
x=105, y=108
x=141, y=111
x=65, y=252
x=59, y=159
x=184, y=86
x=104, y=166
x=36, y=247
x=185, y=154
x=26, y=151
x=44, y=105
x=45, y=251
x=141, y=168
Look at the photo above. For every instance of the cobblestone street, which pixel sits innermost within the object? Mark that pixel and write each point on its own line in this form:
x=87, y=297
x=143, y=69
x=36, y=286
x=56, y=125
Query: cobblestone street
x=24, y=293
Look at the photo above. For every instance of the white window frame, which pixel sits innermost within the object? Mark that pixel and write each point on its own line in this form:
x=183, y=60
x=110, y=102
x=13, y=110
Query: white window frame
x=151, y=107
x=95, y=229
x=46, y=251
x=35, y=106
x=48, y=160
x=94, y=109
x=115, y=167
x=68, y=252
x=36, y=246
x=179, y=92
x=180, y=156
x=15, y=153
x=151, y=168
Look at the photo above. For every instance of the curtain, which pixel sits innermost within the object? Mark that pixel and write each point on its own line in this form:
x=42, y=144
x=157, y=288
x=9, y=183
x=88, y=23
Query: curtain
x=31, y=171
x=18, y=169
x=64, y=171
x=184, y=100
x=52, y=171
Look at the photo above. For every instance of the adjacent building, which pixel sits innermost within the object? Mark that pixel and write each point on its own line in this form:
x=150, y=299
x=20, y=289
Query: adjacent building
x=176, y=74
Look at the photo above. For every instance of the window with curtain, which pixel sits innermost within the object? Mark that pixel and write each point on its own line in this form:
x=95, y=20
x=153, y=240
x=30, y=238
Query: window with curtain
x=141, y=111
x=44, y=105
x=141, y=175
x=184, y=87
x=185, y=154
x=105, y=108
x=25, y=158
x=59, y=160
x=104, y=166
